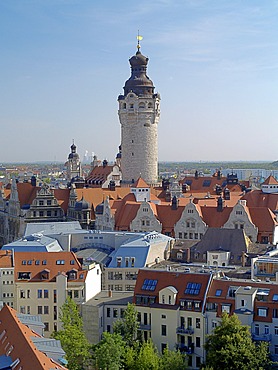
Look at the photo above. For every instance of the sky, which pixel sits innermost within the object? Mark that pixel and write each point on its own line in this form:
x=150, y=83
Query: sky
x=64, y=63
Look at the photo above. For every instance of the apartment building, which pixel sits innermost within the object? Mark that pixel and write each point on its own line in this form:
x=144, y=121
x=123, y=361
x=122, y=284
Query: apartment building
x=42, y=281
x=171, y=308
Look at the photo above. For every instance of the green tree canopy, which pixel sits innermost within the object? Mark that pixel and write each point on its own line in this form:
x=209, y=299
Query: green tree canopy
x=72, y=336
x=128, y=326
x=231, y=347
x=172, y=360
x=109, y=352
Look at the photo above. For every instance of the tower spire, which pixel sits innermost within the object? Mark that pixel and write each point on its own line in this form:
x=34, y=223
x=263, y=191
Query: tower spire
x=139, y=38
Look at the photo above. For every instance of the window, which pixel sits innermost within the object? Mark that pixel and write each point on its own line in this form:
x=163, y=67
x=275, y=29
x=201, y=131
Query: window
x=197, y=305
x=163, y=330
x=29, y=262
x=46, y=326
x=46, y=310
x=149, y=284
x=262, y=312
x=41, y=213
x=108, y=328
x=275, y=297
x=163, y=316
x=75, y=294
x=45, y=293
x=55, y=296
x=163, y=347
x=198, y=323
x=218, y=292
x=72, y=262
x=115, y=312
x=193, y=288
x=44, y=262
x=198, y=342
x=266, y=329
x=275, y=330
x=22, y=294
x=39, y=310
x=37, y=262
x=24, y=262
x=108, y=312
x=39, y=293
x=225, y=308
x=40, y=202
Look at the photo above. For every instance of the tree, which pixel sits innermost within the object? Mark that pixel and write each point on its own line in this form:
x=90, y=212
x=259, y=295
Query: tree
x=231, y=347
x=109, y=352
x=128, y=326
x=72, y=336
x=172, y=360
x=147, y=357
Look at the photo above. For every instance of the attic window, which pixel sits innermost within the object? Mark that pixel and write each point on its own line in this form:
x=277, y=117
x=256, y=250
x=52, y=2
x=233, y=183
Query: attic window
x=218, y=292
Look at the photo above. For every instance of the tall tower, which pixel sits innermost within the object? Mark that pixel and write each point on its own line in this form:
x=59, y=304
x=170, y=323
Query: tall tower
x=139, y=111
x=73, y=164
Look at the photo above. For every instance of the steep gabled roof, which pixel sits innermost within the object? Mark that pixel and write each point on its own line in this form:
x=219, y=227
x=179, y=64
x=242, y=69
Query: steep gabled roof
x=270, y=181
x=233, y=240
x=20, y=340
x=140, y=183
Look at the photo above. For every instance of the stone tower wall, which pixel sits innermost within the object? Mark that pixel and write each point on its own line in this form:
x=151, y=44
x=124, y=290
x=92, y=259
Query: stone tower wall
x=139, y=118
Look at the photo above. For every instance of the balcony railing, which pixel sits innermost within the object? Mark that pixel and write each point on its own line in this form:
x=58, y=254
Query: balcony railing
x=144, y=327
x=189, y=350
x=261, y=337
x=183, y=330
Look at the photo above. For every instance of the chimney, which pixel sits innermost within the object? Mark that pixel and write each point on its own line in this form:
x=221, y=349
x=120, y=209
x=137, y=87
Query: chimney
x=175, y=203
x=104, y=163
x=220, y=204
x=196, y=175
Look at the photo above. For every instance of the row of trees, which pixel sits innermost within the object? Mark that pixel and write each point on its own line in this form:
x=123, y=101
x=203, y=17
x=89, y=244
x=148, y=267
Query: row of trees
x=229, y=347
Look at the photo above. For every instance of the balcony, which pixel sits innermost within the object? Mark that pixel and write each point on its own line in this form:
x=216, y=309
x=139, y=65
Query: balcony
x=183, y=330
x=261, y=337
x=189, y=350
x=144, y=327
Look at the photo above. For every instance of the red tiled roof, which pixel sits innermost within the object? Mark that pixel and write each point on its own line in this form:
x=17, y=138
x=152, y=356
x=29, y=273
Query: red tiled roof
x=140, y=183
x=167, y=278
x=19, y=336
x=270, y=181
x=51, y=264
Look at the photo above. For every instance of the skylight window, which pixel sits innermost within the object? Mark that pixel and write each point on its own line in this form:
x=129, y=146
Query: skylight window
x=218, y=292
x=149, y=284
x=193, y=288
x=206, y=183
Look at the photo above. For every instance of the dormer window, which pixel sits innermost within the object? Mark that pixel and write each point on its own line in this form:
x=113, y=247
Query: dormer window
x=72, y=275
x=119, y=261
x=24, y=275
x=45, y=274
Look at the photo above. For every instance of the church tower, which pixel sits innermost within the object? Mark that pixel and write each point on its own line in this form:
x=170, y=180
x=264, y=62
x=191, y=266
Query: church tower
x=139, y=111
x=73, y=164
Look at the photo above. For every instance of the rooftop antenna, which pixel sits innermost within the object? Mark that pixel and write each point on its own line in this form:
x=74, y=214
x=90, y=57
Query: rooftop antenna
x=139, y=38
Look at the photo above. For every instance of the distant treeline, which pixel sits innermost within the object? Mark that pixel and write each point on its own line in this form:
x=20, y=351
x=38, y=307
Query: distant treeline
x=208, y=166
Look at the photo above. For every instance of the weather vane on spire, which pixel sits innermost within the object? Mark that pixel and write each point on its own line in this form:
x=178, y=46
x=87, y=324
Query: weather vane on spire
x=139, y=38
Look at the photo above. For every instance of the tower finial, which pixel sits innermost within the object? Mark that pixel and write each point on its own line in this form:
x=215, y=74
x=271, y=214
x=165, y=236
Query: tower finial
x=139, y=38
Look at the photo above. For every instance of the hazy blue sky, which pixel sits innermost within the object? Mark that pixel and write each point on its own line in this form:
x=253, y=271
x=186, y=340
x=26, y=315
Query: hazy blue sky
x=64, y=62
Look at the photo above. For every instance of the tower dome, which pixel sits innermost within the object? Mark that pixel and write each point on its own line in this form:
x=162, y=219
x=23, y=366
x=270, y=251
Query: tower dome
x=139, y=82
